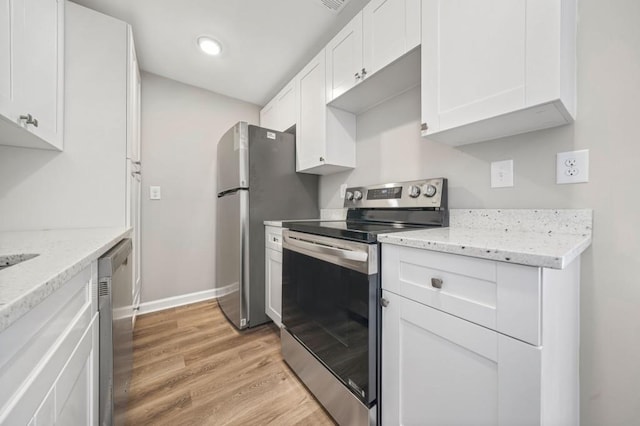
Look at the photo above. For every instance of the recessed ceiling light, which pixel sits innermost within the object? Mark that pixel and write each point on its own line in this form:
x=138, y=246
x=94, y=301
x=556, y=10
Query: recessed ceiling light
x=209, y=45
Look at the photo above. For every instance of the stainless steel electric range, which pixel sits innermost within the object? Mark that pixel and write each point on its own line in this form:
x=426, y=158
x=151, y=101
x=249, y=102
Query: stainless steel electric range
x=331, y=292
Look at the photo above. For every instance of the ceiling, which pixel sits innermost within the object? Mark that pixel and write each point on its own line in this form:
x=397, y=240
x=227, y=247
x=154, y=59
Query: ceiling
x=265, y=42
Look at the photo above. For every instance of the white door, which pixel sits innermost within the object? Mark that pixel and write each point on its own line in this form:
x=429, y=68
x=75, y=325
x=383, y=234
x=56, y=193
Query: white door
x=391, y=28
x=438, y=369
x=273, y=277
x=312, y=112
x=39, y=65
x=286, y=106
x=344, y=59
x=473, y=60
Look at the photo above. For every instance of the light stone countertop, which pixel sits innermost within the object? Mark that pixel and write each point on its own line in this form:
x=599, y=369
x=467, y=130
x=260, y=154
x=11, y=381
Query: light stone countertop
x=61, y=255
x=541, y=237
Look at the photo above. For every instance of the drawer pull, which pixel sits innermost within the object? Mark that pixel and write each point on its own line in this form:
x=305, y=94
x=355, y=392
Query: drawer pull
x=436, y=283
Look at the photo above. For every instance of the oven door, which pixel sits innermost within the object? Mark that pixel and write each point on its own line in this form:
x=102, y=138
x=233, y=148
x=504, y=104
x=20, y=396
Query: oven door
x=329, y=304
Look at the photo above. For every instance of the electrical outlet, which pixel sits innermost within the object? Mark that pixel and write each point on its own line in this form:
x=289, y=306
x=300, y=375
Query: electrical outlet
x=572, y=167
x=502, y=174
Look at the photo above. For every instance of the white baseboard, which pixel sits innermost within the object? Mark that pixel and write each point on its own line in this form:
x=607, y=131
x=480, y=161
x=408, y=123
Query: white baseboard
x=183, y=299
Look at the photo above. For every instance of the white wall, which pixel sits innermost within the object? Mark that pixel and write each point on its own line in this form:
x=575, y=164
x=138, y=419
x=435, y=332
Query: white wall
x=389, y=149
x=83, y=186
x=181, y=126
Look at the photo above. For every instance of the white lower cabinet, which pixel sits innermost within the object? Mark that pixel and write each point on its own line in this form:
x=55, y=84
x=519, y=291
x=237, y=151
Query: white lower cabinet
x=439, y=369
x=469, y=341
x=273, y=274
x=49, y=359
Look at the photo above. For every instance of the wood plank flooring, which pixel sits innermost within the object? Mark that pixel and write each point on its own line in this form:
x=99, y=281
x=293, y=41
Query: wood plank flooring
x=191, y=367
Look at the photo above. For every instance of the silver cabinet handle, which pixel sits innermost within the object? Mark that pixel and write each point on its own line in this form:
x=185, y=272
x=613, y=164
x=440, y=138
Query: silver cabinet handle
x=424, y=127
x=436, y=283
x=364, y=72
x=384, y=302
x=28, y=119
x=357, y=75
x=321, y=158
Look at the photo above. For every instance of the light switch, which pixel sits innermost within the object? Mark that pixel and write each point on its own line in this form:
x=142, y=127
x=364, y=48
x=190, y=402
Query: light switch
x=343, y=190
x=154, y=193
x=502, y=174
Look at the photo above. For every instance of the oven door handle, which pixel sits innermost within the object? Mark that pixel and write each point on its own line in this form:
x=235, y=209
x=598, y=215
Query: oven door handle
x=358, y=256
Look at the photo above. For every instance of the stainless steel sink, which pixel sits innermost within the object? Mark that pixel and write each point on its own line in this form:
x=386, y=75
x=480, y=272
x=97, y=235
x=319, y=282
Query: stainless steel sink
x=7, y=261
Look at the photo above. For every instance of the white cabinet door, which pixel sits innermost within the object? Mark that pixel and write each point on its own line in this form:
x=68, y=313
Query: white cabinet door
x=325, y=136
x=286, y=106
x=76, y=388
x=482, y=60
x=312, y=112
x=344, y=59
x=280, y=113
x=273, y=279
x=7, y=64
x=134, y=164
x=439, y=369
x=268, y=116
x=137, y=256
x=391, y=28
x=32, y=72
x=133, y=101
x=475, y=59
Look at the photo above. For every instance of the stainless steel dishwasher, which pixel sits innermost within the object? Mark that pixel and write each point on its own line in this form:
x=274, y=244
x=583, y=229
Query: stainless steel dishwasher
x=115, y=304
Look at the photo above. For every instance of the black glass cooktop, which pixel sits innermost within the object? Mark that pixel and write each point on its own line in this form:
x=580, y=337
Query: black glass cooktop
x=361, y=231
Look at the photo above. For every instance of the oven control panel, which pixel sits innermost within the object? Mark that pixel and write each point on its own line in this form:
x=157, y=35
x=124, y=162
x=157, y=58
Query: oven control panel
x=413, y=194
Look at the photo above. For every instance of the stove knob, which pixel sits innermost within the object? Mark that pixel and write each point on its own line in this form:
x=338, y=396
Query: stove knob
x=349, y=195
x=429, y=190
x=414, y=191
x=357, y=195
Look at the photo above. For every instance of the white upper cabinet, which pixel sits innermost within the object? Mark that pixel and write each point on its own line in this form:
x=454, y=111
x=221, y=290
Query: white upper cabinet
x=268, y=115
x=495, y=68
x=280, y=113
x=134, y=101
x=325, y=137
x=286, y=103
x=374, y=57
x=391, y=29
x=32, y=73
x=7, y=102
x=344, y=59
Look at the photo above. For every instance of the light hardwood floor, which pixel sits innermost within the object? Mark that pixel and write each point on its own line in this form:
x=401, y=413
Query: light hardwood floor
x=191, y=367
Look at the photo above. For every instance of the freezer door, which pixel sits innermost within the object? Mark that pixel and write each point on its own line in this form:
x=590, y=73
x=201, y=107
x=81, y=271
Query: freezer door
x=233, y=158
x=232, y=256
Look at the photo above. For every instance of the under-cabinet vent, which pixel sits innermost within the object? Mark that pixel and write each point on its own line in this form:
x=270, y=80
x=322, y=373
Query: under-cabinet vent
x=334, y=6
x=103, y=288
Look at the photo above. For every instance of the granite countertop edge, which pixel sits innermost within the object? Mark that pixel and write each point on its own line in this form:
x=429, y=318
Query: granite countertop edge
x=568, y=246
x=35, y=291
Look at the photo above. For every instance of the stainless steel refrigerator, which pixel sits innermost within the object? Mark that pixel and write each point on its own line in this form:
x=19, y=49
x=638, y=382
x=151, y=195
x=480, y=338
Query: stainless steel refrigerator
x=257, y=181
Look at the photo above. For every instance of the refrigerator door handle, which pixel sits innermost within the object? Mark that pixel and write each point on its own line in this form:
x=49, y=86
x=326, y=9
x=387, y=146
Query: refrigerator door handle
x=231, y=191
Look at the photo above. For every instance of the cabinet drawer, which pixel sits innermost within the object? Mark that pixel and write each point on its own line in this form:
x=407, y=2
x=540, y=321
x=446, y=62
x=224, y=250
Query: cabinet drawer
x=497, y=295
x=273, y=238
